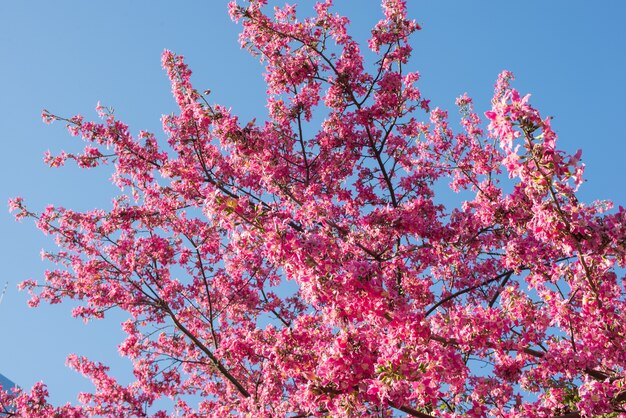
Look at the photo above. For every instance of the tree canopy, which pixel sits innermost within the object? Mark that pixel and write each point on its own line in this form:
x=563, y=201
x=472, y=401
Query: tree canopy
x=306, y=264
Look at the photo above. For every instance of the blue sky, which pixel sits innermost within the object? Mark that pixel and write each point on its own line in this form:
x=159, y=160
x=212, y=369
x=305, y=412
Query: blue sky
x=66, y=56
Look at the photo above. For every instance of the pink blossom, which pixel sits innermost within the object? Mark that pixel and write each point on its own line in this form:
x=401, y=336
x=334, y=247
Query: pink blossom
x=280, y=268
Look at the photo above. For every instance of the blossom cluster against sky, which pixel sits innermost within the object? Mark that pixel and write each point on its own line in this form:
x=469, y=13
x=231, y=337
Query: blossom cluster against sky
x=66, y=56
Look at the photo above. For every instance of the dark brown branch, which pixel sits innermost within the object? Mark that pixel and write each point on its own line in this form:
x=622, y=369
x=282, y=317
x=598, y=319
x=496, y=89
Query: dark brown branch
x=410, y=411
x=208, y=352
x=500, y=288
x=467, y=290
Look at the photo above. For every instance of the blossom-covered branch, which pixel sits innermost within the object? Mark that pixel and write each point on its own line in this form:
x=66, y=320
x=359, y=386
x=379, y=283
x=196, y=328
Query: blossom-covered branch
x=306, y=265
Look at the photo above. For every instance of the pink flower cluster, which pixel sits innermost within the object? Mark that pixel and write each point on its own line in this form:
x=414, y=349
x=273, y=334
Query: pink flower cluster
x=292, y=268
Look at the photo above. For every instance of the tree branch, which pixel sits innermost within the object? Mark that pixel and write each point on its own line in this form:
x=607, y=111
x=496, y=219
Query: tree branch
x=206, y=350
x=410, y=411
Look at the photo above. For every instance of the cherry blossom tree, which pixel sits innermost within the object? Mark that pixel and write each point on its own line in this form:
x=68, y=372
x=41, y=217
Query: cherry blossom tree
x=306, y=265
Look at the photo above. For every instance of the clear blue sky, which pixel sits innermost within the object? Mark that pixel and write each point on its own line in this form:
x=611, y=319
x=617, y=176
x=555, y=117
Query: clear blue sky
x=68, y=55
